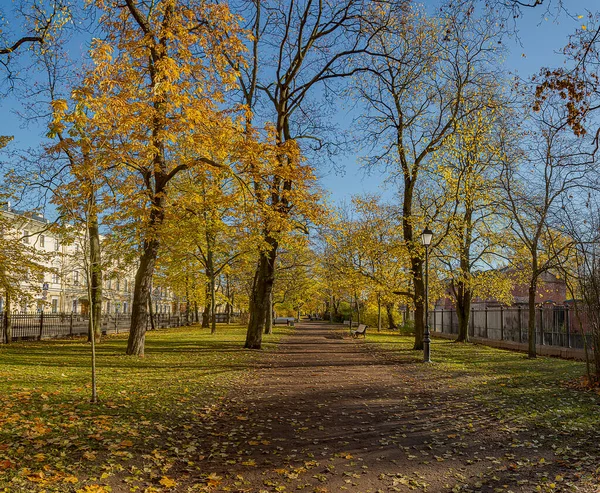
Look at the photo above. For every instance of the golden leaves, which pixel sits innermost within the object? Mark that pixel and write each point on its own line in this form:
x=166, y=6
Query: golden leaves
x=168, y=482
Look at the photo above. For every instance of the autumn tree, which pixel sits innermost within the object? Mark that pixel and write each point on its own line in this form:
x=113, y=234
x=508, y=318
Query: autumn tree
x=580, y=215
x=207, y=227
x=465, y=179
x=156, y=92
x=549, y=167
x=424, y=71
x=297, y=52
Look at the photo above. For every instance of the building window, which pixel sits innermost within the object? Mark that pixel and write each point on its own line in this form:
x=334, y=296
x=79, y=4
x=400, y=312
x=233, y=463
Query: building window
x=125, y=285
x=42, y=241
x=124, y=307
x=74, y=306
x=118, y=285
x=25, y=236
x=55, y=278
x=108, y=307
x=54, y=305
x=75, y=277
x=109, y=284
x=56, y=244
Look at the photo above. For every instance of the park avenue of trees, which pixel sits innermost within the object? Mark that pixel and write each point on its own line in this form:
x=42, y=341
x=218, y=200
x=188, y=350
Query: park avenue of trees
x=188, y=135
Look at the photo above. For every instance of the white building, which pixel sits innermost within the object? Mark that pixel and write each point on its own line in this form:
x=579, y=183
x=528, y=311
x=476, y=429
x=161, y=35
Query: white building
x=63, y=288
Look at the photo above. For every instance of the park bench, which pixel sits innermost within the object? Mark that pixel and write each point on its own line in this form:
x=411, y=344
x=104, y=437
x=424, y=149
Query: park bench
x=361, y=330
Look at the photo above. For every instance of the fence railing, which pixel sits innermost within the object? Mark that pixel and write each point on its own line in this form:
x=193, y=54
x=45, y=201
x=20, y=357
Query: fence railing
x=42, y=325
x=555, y=325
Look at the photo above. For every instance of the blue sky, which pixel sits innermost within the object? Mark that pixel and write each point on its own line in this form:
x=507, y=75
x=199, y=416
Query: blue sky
x=540, y=38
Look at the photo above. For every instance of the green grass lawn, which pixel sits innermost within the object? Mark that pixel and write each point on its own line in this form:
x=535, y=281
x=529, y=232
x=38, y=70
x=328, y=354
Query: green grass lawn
x=540, y=392
x=53, y=439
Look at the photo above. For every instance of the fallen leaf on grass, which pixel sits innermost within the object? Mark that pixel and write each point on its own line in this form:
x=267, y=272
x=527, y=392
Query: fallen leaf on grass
x=168, y=482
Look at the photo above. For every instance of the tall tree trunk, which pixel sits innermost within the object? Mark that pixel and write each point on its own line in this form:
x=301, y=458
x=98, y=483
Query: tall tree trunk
x=419, y=287
x=196, y=314
x=414, y=251
x=139, y=311
x=463, y=311
x=95, y=278
x=150, y=247
x=259, y=297
x=389, y=309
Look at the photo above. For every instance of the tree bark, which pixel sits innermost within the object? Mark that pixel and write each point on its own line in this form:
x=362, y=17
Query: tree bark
x=262, y=287
x=389, y=307
x=139, y=312
x=463, y=311
x=419, y=287
x=95, y=278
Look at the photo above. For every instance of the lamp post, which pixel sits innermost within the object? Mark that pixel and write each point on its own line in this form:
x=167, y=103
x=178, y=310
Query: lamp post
x=426, y=237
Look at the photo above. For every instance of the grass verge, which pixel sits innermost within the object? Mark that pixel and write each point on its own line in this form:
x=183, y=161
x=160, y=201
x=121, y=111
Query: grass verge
x=53, y=439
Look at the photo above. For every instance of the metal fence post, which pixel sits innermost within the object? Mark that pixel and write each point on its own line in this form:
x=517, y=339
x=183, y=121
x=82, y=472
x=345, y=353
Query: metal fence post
x=71, y=326
x=442, y=320
x=501, y=323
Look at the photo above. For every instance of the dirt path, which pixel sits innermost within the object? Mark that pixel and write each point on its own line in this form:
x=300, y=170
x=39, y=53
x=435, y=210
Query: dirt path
x=324, y=414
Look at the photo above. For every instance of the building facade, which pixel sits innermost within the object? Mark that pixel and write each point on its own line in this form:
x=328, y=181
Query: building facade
x=63, y=286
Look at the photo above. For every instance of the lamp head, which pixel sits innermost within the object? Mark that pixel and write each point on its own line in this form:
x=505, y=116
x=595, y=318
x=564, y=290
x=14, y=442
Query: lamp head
x=426, y=237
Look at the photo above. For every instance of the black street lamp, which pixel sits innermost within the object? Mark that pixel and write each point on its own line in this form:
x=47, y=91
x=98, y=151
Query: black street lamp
x=426, y=237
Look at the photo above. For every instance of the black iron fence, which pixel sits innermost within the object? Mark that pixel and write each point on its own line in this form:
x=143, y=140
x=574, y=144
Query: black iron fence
x=556, y=325
x=42, y=325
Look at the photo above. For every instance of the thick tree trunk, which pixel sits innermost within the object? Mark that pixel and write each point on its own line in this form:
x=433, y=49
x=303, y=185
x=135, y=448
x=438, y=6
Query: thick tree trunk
x=416, y=262
x=196, y=312
x=463, y=311
x=259, y=297
x=419, y=287
x=389, y=310
x=139, y=312
x=463, y=291
x=532, y=353
x=95, y=279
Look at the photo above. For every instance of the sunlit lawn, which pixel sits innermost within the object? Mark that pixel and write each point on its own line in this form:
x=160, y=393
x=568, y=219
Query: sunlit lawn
x=52, y=438
x=536, y=393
